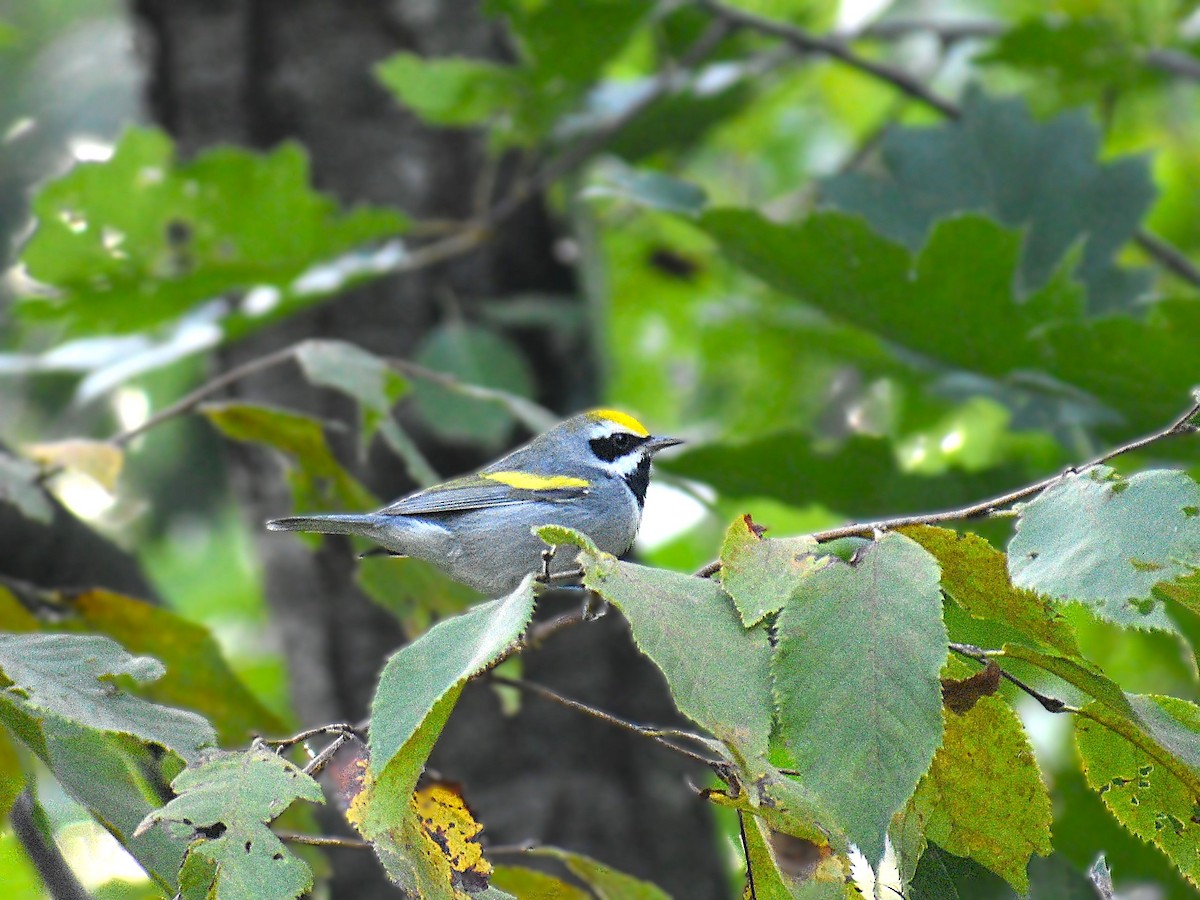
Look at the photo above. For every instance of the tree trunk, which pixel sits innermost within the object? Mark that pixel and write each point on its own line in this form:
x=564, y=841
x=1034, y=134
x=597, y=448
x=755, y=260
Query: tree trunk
x=256, y=72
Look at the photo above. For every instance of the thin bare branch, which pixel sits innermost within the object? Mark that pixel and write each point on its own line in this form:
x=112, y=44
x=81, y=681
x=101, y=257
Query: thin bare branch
x=188, y=402
x=655, y=734
x=834, y=48
x=1170, y=257
x=1185, y=424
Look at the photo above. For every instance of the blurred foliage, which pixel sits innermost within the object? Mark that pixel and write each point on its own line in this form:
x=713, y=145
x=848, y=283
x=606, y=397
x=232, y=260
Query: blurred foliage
x=852, y=305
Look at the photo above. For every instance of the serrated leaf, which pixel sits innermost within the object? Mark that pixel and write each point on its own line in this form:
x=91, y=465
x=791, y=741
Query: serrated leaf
x=318, y=481
x=1043, y=177
x=1143, y=795
x=139, y=239
x=983, y=796
x=760, y=574
x=716, y=669
x=835, y=262
x=73, y=676
x=1106, y=541
x=562, y=536
x=224, y=803
x=18, y=486
x=451, y=90
x=975, y=576
x=99, y=460
x=1136, y=718
x=416, y=693
x=472, y=355
x=607, y=883
x=197, y=676
x=859, y=649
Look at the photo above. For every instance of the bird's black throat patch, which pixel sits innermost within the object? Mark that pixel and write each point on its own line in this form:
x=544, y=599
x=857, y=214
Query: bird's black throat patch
x=639, y=480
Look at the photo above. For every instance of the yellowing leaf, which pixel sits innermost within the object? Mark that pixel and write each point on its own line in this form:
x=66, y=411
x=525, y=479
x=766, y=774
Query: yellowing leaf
x=99, y=460
x=983, y=797
x=452, y=827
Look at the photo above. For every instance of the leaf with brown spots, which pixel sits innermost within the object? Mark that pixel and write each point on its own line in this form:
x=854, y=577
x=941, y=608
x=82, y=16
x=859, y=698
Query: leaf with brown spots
x=959, y=695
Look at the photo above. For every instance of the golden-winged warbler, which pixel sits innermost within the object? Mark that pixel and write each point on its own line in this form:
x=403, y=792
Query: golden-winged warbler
x=589, y=473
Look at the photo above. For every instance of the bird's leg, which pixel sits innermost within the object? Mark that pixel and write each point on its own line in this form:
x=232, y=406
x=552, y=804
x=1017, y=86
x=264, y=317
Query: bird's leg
x=547, y=557
x=594, y=606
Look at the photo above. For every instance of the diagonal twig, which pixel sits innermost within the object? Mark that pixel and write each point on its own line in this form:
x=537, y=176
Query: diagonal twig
x=1184, y=424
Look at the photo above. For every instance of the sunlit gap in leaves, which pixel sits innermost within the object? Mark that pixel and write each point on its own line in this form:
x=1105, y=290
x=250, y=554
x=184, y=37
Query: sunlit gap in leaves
x=131, y=406
x=82, y=495
x=671, y=511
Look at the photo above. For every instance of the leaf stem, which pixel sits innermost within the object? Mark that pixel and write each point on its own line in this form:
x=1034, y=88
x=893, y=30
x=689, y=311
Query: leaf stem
x=1050, y=704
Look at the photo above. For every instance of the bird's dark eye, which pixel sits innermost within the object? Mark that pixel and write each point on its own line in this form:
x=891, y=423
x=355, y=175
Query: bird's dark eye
x=614, y=445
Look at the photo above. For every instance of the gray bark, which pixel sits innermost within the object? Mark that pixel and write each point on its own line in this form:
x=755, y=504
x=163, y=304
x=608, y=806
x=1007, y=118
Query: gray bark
x=256, y=72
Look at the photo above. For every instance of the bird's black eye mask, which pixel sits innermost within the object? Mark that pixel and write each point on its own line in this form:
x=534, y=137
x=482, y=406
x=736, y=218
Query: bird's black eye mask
x=614, y=446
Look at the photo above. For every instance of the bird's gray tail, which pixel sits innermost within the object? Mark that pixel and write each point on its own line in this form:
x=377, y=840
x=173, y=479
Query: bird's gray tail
x=337, y=523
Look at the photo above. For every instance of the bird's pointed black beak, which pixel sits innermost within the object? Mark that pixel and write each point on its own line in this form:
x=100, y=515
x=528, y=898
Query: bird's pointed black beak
x=661, y=442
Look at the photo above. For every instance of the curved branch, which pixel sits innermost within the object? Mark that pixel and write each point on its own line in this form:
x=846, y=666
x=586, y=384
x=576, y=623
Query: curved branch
x=1182, y=425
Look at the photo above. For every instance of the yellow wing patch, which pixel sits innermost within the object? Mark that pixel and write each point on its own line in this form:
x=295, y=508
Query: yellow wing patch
x=625, y=420
x=527, y=481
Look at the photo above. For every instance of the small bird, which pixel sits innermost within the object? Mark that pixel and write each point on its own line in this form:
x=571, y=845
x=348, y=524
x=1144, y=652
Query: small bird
x=589, y=473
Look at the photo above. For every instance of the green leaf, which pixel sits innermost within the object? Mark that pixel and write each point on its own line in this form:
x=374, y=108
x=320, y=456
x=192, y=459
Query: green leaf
x=120, y=784
x=417, y=691
x=1140, y=792
x=1042, y=177
x=1106, y=541
x=435, y=665
x=529, y=884
x=138, y=240
x=648, y=188
x=562, y=536
x=1137, y=718
x=18, y=486
x=760, y=574
x=75, y=677
x=375, y=385
x=820, y=876
x=605, y=882
x=859, y=649
x=983, y=797
x=835, y=262
x=1084, y=53
x=975, y=576
x=572, y=42
x=197, y=676
x=790, y=467
x=716, y=669
x=318, y=481
x=224, y=804
x=472, y=355
x=451, y=90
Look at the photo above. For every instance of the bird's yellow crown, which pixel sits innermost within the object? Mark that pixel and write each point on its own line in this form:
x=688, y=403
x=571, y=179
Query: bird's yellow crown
x=625, y=420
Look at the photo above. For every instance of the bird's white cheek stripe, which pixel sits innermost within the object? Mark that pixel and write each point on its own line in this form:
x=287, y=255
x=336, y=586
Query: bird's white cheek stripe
x=624, y=465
